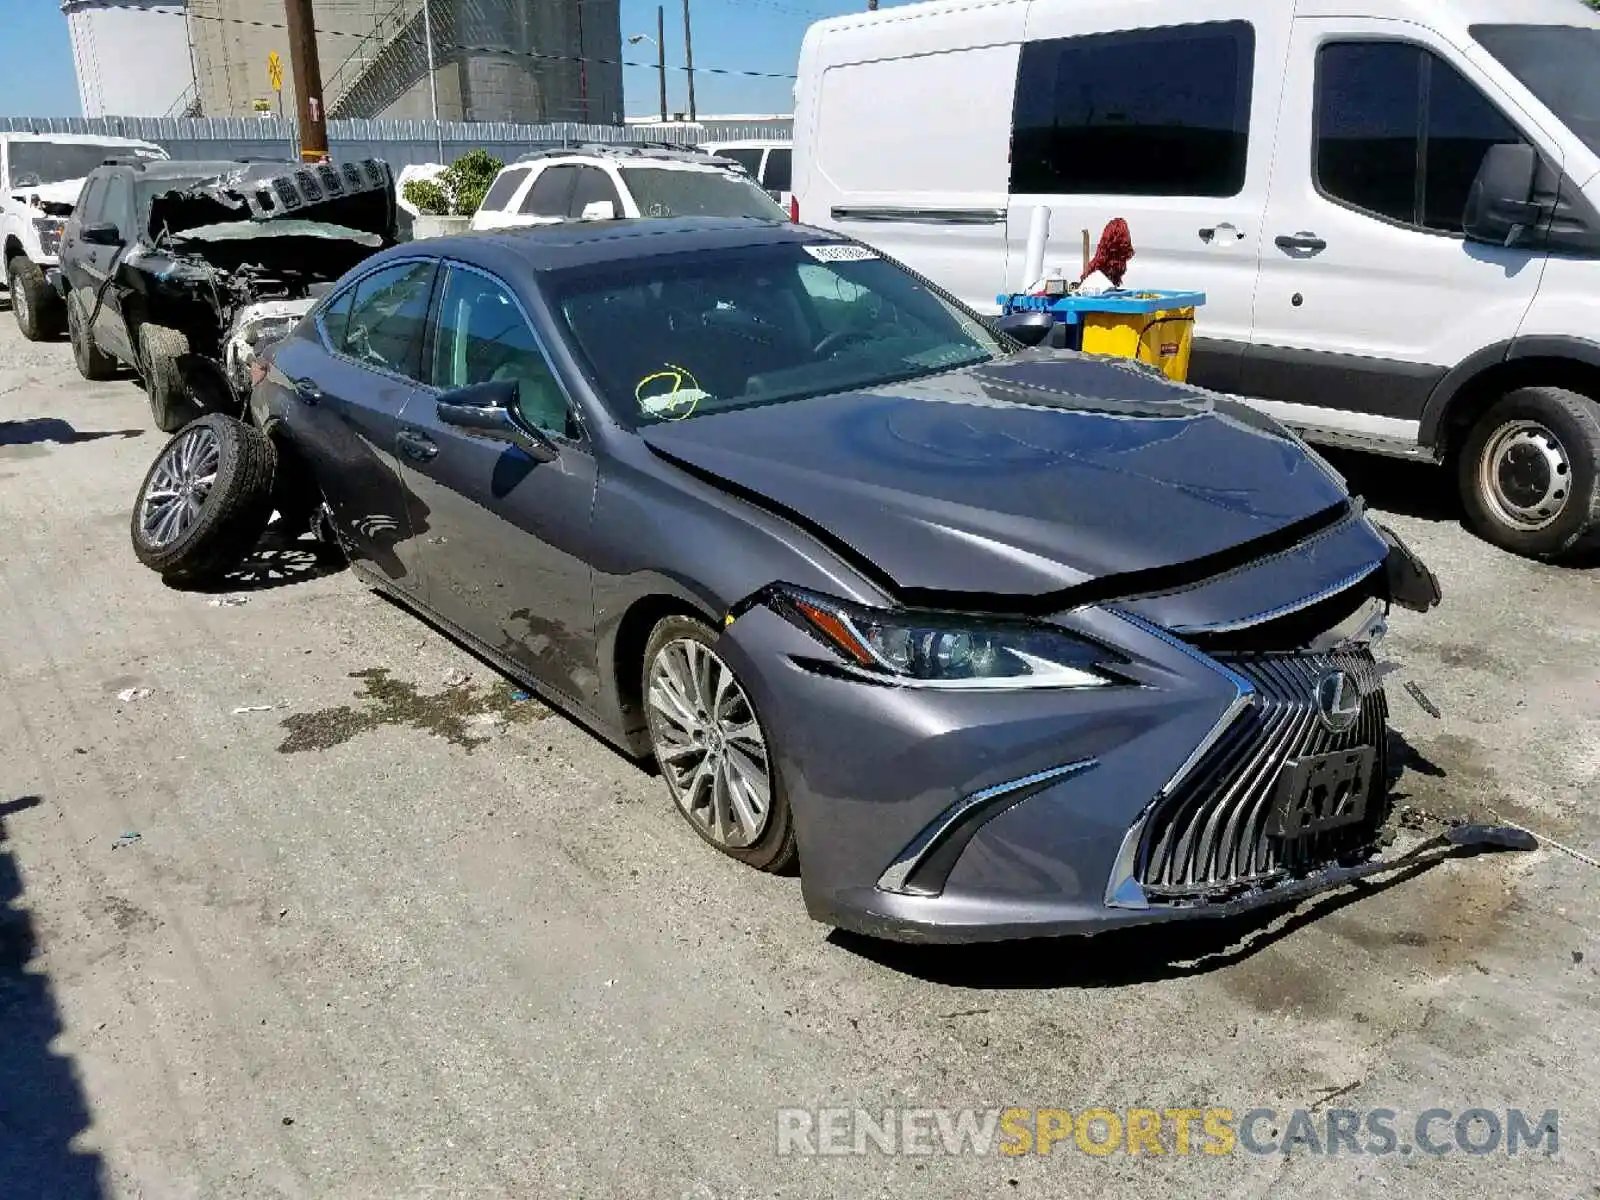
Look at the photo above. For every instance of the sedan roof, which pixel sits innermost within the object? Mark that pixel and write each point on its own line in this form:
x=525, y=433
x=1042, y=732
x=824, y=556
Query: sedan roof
x=585, y=243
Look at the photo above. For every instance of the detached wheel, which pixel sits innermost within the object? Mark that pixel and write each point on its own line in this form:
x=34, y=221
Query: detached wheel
x=173, y=403
x=92, y=362
x=33, y=301
x=206, y=500
x=1529, y=472
x=710, y=746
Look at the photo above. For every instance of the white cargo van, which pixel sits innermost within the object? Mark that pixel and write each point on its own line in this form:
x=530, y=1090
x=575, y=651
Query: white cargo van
x=1393, y=206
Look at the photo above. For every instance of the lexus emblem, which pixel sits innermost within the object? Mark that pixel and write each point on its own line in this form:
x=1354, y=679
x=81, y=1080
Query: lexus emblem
x=1338, y=702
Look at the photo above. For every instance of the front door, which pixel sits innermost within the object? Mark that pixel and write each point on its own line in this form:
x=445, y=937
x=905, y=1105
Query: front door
x=1369, y=294
x=506, y=556
x=1169, y=128
x=353, y=376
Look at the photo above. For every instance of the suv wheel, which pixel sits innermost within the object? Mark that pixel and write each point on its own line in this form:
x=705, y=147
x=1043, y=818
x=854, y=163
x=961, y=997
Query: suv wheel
x=1529, y=472
x=33, y=301
x=92, y=362
x=711, y=748
x=161, y=353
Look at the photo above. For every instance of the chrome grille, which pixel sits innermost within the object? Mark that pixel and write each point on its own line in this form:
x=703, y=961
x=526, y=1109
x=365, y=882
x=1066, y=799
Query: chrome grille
x=1211, y=837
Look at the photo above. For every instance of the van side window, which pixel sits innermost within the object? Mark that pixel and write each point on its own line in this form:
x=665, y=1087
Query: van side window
x=1400, y=134
x=1159, y=112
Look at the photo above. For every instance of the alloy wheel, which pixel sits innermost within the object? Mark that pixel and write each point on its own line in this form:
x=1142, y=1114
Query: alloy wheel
x=709, y=743
x=1525, y=475
x=182, y=479
x=19, y=301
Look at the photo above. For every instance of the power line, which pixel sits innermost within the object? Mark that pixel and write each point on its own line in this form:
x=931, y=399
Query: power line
x=501, y=50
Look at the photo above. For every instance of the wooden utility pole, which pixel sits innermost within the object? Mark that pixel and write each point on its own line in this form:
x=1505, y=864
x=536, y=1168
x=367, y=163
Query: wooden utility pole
x=307, y=79
x=688, y=56
x=661, y=57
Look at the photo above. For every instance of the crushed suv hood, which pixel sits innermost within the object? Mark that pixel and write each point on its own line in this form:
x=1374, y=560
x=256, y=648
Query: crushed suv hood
x=355, y=195
x=1029, y=475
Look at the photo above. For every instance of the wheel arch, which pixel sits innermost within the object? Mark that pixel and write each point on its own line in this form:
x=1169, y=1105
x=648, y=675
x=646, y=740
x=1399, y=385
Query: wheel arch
x=624, y=655
x=1468, y=391
x=14, y=247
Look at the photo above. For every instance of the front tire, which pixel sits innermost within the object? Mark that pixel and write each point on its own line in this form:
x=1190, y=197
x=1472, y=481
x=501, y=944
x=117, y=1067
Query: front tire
x=33, y=301
x=205, y=501
x=711, y=748
x=92, y=362
x=1529, y=472
x=172, y=402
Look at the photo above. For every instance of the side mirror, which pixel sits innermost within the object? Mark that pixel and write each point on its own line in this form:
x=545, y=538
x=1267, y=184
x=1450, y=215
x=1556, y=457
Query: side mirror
x=599, y=210
x=1500, y=207
x=1029, y=328
x=102, y=233
x=487, y=411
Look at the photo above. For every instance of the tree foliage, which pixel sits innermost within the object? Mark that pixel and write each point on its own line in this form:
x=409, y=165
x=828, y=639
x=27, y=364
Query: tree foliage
x=460, y=188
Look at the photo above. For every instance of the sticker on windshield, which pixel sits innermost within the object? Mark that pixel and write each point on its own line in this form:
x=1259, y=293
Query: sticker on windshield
x=833, y=252
x=672, y=392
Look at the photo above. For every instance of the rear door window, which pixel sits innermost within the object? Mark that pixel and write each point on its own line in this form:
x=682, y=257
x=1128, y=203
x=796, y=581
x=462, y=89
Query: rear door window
x=746, y=157
x=1156, y=112
x=503, y=188
x=777, y=174
x=593, y=184
x=1400, y=133
x=387, y=316
x=551, y=193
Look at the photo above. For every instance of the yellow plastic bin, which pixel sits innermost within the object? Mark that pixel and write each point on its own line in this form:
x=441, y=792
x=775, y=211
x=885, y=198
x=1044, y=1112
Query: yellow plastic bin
x=1155, y=327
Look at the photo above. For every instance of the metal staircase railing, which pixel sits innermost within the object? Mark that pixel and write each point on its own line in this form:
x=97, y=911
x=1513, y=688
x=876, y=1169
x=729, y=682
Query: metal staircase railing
x=366, y=53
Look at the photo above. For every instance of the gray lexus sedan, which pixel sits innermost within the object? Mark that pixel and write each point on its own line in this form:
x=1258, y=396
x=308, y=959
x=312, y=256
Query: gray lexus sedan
x=989, y=640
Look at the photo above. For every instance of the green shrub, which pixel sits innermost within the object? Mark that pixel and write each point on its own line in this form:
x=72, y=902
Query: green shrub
x=428, y=197
x=467, y=180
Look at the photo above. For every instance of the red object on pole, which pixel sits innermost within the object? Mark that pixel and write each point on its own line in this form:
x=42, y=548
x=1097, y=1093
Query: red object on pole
x=302, y=31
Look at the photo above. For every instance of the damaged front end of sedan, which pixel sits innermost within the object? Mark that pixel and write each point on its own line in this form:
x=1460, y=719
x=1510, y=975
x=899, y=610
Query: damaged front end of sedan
x=231, y=256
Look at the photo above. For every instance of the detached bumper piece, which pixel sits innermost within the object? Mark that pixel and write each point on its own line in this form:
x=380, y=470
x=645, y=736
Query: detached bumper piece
x=1297, y=783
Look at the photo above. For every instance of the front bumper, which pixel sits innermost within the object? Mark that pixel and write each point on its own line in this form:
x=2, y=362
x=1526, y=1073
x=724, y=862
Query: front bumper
x=944, y=816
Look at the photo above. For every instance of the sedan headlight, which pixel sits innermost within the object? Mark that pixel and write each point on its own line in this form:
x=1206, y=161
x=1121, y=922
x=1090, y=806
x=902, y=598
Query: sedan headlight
x=950, y=650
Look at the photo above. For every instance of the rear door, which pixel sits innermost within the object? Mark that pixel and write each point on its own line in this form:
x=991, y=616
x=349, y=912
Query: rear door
x=1170, y=128
x=507, y=556
x=591, y=185
x=353, y=377
x=550, y=196
x=1369, y=294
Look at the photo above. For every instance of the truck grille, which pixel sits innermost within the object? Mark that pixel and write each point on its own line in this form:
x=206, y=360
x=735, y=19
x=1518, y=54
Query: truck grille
x=1214, y=835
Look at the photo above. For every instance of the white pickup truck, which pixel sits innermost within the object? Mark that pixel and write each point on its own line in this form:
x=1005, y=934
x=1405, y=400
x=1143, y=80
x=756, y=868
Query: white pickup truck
x=41, y=175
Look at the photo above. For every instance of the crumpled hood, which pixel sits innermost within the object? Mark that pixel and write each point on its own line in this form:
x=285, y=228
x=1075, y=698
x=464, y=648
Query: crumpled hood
x=1020, y=477
x=355, y=195
x=65, y=192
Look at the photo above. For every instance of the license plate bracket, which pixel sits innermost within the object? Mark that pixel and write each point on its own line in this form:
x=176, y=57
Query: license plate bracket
x=1320, y=792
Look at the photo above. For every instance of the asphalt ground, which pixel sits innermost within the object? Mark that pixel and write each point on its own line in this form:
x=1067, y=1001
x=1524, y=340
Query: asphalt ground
x=399, y=935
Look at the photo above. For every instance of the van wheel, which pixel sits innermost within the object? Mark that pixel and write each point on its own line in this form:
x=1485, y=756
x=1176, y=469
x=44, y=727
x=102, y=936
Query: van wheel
x=33, y=301
x=1529, y=472
x=172, y=403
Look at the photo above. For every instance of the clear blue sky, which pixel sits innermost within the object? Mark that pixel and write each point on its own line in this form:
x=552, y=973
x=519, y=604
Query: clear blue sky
x=752, y=35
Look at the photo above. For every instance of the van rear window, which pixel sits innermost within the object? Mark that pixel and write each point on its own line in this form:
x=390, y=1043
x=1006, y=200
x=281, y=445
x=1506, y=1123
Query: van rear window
x=1156, y=112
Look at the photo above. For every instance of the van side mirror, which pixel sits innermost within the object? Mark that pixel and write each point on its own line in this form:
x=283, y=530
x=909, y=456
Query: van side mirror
x=1500, y=209
x=487, y=411
x=1029, y=328
x=102, y=233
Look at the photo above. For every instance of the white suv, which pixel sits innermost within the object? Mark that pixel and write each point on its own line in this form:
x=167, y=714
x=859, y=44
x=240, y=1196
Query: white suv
x=41, y=175
x=608, y=181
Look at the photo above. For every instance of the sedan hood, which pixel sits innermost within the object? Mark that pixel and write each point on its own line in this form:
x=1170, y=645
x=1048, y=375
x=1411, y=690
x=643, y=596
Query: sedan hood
x=1029, y=475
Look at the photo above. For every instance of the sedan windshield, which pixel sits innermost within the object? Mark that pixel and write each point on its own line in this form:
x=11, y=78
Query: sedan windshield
x=684, y=335
x=1560, y=64
x=34, y=164
x=663, y=192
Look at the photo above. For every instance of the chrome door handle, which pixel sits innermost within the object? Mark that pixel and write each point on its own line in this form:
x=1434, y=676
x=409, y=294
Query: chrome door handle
x=308, y=390
x=416, y=446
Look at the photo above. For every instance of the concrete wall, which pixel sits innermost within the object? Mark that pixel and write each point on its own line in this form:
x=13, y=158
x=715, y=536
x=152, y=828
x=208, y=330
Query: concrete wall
x=131, y=56
x=232, y=39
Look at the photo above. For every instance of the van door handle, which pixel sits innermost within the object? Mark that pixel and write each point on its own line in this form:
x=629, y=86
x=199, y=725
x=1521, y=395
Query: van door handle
x=308, y=390
x=1209, y=235
x=416, y=446
x=1301, y=241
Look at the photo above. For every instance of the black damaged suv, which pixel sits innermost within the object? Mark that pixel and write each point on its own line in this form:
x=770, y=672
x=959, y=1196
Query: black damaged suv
x=179, y=269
